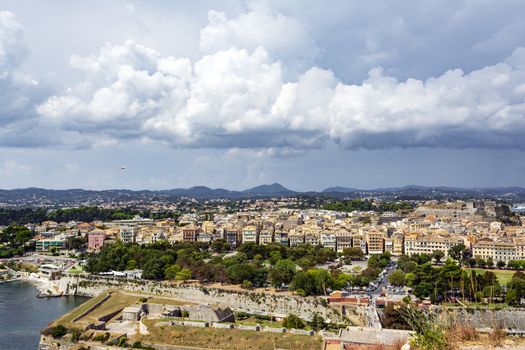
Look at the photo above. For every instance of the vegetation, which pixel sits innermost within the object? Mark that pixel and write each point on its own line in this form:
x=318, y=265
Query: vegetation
x=58, y=331
x=293, y=321
x=88, y=214
x=397, y=278
x=353, y=253
x=249, y=266
x=233, y=339
x=14, y=240
x=367, y=205
x=430, y=335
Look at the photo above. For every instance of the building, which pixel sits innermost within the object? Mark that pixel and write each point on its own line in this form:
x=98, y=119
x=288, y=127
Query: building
x=127, y=234
x=296, y=238
x=232, y=237
x=204, y=237
x=249, y=234
x=359, y=241
x=398, y=244
x=190, y=233
x=47, y=245
x=343, y=240
x=281, y=237
x=328, y=240
x=96, y=240
x=312, y=238
x=375, y=241
x=50, y=271
x=417, y=243
x=265, y=237
x=486, y=248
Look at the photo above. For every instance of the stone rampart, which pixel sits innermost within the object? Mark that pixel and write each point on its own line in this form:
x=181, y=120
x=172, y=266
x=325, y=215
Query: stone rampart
x=247, y=301
x=509, y=318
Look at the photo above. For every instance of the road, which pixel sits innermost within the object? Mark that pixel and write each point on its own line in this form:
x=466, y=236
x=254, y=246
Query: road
x=384, y=281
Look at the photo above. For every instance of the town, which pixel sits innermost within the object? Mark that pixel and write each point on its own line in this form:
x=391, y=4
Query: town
x=361, y=257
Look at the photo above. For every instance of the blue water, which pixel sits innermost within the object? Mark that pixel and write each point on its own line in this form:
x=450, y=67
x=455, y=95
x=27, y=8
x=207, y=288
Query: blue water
x=23, y=315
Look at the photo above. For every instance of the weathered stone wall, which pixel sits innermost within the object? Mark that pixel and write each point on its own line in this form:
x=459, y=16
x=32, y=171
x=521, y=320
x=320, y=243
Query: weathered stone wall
x=247, y=301
x=510, y=318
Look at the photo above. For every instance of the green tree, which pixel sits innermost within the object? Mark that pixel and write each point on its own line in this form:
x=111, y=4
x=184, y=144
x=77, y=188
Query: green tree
x=171, y=271
x=459, y=252
x=282, y=272
x=293, y=321
x=58, y=331
x=353, y=253
x=438, y=255
x=183, y=275
x=246, y=284
x=317, y=323
x=240, y=272
x=397, y=278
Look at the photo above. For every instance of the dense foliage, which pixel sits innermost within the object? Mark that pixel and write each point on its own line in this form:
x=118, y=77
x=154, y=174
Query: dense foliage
x=250, y=265
x=88, y=214
x=447, y=282
x=350, y=205
x=14, y=240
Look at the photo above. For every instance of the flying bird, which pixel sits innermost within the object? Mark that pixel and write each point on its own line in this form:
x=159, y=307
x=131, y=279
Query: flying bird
x=124, y=167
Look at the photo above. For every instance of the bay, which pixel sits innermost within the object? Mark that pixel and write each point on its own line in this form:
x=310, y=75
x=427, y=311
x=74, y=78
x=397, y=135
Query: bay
x=23, y=315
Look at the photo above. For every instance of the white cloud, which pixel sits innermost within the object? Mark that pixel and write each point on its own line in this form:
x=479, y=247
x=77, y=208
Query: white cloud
x=12, y=49
x=18, y=92
x=13, y=84
x=283, y=37
x=237, y=98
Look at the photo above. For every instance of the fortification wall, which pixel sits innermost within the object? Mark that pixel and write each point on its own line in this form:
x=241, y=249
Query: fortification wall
x=247, y=301
x=510, y=318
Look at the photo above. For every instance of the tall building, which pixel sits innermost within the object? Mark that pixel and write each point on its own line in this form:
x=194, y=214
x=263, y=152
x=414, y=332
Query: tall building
x=96, y=240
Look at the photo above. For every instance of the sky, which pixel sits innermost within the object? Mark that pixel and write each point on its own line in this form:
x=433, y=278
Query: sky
x=235, y=94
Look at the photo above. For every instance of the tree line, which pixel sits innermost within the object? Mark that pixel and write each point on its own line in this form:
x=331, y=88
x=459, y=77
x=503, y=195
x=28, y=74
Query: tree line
x=250, y=265
x=24, y=216
x=349, y=205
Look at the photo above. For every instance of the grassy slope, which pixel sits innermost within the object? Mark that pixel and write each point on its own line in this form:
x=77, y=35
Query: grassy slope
x=504, y=276
x=233, y=339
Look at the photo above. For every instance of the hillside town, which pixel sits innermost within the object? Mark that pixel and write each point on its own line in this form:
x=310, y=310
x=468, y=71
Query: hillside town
x=361, y=259
x=432, y=226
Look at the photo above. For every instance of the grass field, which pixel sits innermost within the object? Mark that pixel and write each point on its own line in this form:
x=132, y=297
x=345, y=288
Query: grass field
x=115, y=302
x=252, y=321
x=231, y=339
x=68, y=318
x=167, y=301
x=504, y=276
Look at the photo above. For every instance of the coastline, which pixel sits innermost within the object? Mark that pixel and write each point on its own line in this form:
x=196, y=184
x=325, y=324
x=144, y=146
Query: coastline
x=46, y=288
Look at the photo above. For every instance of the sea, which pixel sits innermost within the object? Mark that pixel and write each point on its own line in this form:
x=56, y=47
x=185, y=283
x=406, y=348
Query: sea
x=23, y=315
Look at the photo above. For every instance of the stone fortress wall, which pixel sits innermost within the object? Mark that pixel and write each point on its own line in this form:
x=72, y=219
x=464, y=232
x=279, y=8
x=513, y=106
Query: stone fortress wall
x=248, y=301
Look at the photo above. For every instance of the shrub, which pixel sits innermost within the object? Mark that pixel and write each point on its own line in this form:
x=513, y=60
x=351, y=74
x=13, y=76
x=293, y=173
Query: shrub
x=317, y=322
x=246, y=284
x=102, y=337
x=430, y=335
x=75, y=334
x=58, y=331
x=241, y=315
x=293, y=321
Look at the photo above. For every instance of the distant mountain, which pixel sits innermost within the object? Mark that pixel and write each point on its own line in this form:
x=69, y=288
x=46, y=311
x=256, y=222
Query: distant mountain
x=73, y=197
x=340, y=189
x=198, y=192
x=274, y=188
